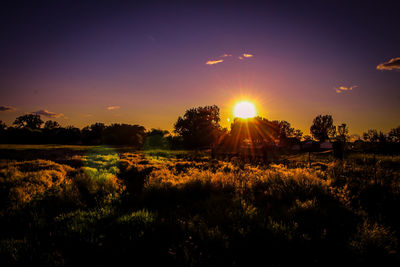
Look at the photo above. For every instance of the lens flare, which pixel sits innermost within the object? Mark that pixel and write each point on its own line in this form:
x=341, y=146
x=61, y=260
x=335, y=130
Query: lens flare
x=244, y=110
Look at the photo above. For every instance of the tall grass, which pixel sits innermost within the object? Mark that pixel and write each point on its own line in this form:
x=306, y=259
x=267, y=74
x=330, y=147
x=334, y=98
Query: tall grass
x=187, y=209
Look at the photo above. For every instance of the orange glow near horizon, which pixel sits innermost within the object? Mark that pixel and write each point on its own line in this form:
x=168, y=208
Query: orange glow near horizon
x=244, y=110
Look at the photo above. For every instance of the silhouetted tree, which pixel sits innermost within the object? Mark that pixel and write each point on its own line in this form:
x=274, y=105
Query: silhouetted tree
x=343, y=132
x=382, y=138
x=51, y=132
x=285, y=130
x=124, y=134
x=394, y=135
x=32, y=121
x=69, y=135
x=51, y=125
x=93, y=134
x=199, y=127
x=287, y=135
x=378, y=142
x=371, y=136
x=323, y=128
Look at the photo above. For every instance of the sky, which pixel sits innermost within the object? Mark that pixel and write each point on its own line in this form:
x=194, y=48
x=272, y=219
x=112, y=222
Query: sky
x=81, y=62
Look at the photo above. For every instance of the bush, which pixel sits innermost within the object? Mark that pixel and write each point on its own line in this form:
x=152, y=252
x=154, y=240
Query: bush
x=374, y=242
x=97, y=187
x=23, y=181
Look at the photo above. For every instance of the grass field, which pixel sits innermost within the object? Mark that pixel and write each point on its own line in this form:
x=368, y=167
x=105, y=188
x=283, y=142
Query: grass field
x=75, y=205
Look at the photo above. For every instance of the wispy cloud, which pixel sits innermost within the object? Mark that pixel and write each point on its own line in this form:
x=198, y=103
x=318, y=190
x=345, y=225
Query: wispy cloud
x=393, y=64
x=6, y=108
x=113, y=107
x=341, y=89
x=49, y=114
x=226, y=55
x=213, y=62
x=245, y=55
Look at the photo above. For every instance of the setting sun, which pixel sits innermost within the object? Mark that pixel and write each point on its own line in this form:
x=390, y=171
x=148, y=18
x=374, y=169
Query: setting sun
x=244, y=110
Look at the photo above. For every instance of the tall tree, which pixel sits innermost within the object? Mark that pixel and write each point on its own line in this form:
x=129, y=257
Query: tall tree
x=93, y=134
x=323, y=128
x=32, y=121
x=285, y=130
x=199, y=127
x=343, y=132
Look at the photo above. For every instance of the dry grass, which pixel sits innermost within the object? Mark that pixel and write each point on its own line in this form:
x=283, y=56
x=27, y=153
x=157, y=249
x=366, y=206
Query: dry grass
x=187, y=209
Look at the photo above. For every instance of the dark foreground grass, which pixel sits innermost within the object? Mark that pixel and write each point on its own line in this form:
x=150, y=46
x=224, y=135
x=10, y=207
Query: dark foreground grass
x=184, y=209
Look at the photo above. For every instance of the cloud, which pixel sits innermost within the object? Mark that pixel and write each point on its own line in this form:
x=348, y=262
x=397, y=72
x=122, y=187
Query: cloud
x=216, y=61
x=247, y=55
x=113, y=107
x=49, y=114
x=341, y=89
x=6, y=108
x=393, y=64
x=213, y=62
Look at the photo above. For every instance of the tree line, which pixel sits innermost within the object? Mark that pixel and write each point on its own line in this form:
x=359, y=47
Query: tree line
x=31, y=129
x=198, y=128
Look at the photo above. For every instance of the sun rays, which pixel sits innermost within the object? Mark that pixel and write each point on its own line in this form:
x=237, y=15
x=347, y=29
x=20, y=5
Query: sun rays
x=244, y=110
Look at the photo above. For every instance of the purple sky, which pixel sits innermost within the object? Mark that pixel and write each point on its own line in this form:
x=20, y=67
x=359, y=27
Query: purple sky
x=82, y=62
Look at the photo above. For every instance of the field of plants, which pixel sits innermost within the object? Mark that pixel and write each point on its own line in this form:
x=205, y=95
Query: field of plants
x=75, y=205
